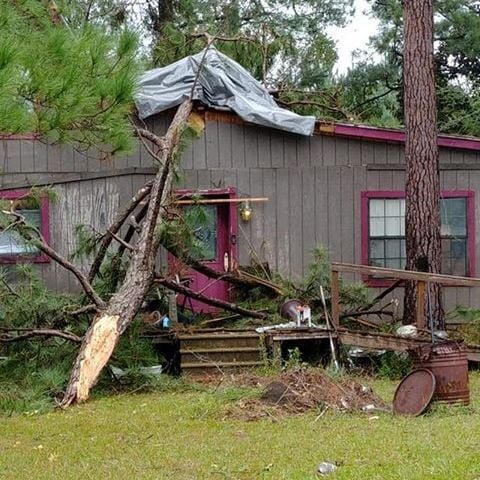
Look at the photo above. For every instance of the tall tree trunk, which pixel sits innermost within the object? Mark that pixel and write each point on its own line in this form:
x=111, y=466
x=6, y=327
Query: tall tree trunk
x=109, y=324
x=422, y=228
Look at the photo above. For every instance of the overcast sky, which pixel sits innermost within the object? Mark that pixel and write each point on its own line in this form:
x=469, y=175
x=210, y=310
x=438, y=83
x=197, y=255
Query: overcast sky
x=354, y=35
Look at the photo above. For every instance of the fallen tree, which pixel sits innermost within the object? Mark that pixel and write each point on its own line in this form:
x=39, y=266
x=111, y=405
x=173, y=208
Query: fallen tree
x=112, y=320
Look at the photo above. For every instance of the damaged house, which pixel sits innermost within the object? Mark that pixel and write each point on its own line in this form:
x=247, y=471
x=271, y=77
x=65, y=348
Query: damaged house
x=274, y=184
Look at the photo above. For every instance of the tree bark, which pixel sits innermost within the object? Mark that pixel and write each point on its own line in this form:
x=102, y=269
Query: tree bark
x=109, y=324
x=422, y=222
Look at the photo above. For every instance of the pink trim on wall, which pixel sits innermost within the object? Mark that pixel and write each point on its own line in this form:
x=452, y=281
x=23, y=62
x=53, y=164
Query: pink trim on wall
x=366, y=195
x=19, y=136
x=44, y=227
x=365, y=132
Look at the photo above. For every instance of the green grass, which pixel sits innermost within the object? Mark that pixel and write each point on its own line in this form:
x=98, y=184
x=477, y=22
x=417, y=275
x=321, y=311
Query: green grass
x=182, y=433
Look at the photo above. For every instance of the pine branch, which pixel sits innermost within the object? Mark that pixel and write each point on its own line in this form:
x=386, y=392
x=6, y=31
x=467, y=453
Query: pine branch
x=314, y=104
x=115, y=227
x=144, y=134
x=91, y=308
x=34, y=333
x=171, y=285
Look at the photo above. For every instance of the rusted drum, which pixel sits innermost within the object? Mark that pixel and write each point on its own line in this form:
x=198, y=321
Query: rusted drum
x=448, y=362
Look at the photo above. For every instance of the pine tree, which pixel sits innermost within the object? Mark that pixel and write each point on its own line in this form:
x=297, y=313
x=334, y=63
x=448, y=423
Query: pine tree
x=422, y=216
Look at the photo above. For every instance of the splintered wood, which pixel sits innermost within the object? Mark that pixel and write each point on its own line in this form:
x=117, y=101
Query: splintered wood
x=103, y=338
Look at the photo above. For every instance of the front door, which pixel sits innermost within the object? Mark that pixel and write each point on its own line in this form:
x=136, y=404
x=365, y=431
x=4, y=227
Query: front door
x=216, y=236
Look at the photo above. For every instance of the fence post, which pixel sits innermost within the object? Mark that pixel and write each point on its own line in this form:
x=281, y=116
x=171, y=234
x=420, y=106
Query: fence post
x=420, y=307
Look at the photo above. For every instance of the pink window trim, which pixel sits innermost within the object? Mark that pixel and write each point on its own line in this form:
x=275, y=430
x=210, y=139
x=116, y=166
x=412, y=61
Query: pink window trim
x=44, y=228
x=367, y=195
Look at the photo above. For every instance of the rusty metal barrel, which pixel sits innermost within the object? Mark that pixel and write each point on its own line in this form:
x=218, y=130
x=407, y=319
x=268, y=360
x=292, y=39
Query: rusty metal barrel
x=449, y=363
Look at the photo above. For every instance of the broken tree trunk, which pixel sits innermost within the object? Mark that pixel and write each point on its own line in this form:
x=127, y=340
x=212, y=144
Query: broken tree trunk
x=112, y=320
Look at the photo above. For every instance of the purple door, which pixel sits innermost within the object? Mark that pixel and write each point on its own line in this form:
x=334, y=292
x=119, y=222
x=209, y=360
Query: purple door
x=215, y=235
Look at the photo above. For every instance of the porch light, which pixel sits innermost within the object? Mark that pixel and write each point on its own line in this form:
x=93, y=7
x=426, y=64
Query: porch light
x=246, y=212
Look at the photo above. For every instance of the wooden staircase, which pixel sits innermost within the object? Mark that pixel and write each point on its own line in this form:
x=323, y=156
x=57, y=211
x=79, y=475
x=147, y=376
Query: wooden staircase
x=219, y=352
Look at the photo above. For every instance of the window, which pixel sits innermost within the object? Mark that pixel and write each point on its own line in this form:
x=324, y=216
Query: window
x=202, y=220
x=13, y=248
x=383, y=231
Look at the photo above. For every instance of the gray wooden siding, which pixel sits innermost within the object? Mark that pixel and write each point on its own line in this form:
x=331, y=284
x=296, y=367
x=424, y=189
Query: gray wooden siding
x=314, y=188
x=313, y=184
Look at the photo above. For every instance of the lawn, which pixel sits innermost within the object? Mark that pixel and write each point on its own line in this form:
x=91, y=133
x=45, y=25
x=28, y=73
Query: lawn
x=182, y=433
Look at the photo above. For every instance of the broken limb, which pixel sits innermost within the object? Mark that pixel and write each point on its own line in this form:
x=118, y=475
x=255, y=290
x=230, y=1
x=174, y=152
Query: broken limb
x=82, y=310
x=115, y=227
x=144, y=134
x=232, y=307
x=230, y=277
x=29, y=333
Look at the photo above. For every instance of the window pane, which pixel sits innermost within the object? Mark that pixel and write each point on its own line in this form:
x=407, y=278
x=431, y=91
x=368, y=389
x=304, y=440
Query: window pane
x=402, y=207
x=377, y=208
x=375, y=262
x=203, y=223
x=453, y=216
x=393, y=249
x=392, y=227
x=392, y=208
x=32, y=217
x=454, y=256
x=377, y=249
x=457, y=249
x=455, y=207
x=392, y=263
x=446, y=265
x=11, y=243
x=377, y=227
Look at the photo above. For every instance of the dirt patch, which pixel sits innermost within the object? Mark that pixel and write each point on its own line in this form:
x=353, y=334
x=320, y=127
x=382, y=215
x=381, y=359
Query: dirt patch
x=302, y=390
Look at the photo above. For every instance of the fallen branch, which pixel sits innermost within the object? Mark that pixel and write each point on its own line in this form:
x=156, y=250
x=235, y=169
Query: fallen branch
x=368, y=312
x=249, y=281
x=86, y=309
x=232, y=307
x=36, y=333
x=383, y=294
x=115, y=227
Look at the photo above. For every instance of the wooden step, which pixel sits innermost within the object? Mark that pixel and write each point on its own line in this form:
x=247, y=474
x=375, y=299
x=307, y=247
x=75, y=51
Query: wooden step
x=219, y=350
x=237, y=354
x=193, y=342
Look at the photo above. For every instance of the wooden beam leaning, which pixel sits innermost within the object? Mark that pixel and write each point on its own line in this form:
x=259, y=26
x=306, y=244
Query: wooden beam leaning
x=406, y=275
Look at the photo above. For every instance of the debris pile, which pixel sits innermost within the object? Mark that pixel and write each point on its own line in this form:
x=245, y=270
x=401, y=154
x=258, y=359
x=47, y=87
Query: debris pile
x=302, y=390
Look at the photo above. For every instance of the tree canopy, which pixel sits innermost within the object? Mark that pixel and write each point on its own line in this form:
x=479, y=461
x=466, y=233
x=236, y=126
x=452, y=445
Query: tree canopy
x=457, y=53
x=69, y=83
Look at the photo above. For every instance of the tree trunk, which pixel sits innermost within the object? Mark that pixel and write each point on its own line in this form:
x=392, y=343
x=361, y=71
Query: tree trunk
x=109, y=324
x=422, y=222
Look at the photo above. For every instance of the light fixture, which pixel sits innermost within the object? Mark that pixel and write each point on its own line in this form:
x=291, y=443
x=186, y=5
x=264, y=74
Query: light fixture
x=246, y=212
